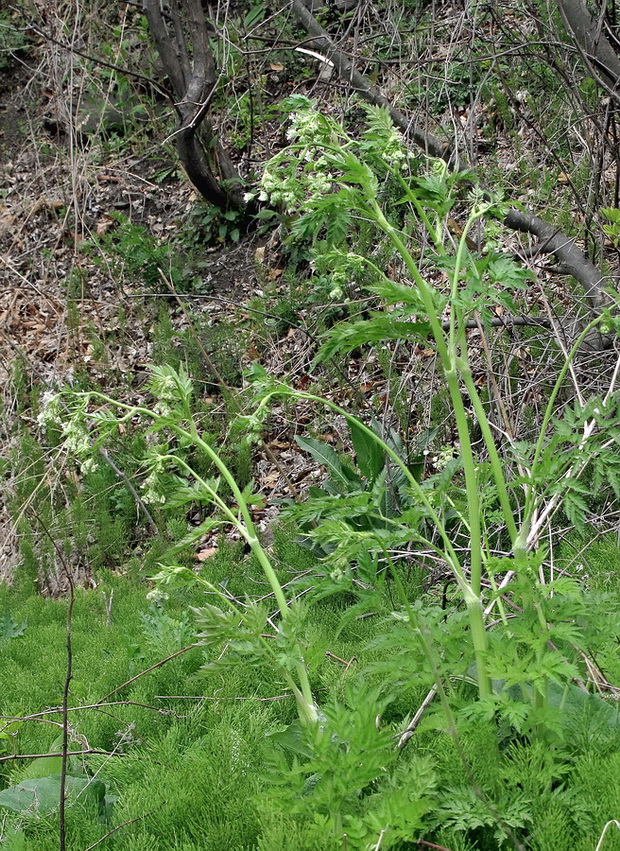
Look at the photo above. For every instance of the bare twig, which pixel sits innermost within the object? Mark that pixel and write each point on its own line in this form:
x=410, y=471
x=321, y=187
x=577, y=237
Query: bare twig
x=118, y=827
x=609, y=824
x=84, y=752
x=65, y=692
x=142, y=673
x=39, y=716
x=411, y=727
x=97, y=60
x=507, y=322
x=132, y=491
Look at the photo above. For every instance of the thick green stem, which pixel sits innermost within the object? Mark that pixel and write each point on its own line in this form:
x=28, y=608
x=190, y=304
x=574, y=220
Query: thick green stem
x=245, y=525
x=251, y=536
x=471, y=480
x=448, y=357
x=475, y=614
x=469, y=589
x=426, y=292
x=307, y=707
x=496, y=463
x=434, y=232
x=305, y=703
x=449, y=361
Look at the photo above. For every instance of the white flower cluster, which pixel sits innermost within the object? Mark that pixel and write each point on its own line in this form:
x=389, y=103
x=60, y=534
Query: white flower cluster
x=339, y=281
x=89, y=465
x=78, y=443
x=320, y=182
x=49, y=414
x=280, y=186
x=307, y=128
x=157, y=596
x=307, y=170
x=285, y=181
x=394, y=152
x=443, y=457
x=74, y=430
x=152, y=486
x=76, y=437
x=164, y=387
x=151, y=492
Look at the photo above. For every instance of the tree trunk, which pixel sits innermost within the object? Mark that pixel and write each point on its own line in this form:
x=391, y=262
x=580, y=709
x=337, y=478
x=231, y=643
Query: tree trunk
x=182, y=41
x=599, y=56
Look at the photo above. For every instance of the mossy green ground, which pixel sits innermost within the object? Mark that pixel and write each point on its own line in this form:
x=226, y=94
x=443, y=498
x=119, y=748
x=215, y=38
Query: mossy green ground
x=190, y=768
x=191, y=762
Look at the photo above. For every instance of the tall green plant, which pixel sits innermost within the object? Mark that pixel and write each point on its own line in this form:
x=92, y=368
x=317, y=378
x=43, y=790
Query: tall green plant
x=328, y=182
x=173, y=480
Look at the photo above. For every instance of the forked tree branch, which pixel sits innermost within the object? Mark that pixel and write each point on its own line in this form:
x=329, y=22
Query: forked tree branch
x=574, y=261
x=182, y=43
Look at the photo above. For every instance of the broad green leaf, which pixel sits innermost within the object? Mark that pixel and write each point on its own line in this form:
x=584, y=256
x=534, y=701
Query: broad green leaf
x=13, y=839
x=370, y=458
x=9, y=628
x=40, y=794
x=264, y=215
x=291, y=739
x=611, y=213
x=325, y=456
x=46, y=765
x=316, y=493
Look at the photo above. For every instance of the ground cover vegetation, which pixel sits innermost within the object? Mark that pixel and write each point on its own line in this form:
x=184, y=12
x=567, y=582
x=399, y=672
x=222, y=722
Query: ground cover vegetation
x=310, y=426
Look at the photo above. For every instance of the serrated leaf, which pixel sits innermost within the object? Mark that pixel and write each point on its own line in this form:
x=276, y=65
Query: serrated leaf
x=191, y=492
x=338, y=225
x=503, y=270
x=250, y=497
x=576, y=509
x=351, y=335
x=203, y=529
x=9, y=629
x=393, y=292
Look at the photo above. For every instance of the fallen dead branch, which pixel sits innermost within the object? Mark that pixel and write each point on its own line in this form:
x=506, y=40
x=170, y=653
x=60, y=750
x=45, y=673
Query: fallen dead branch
x=550, y=240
